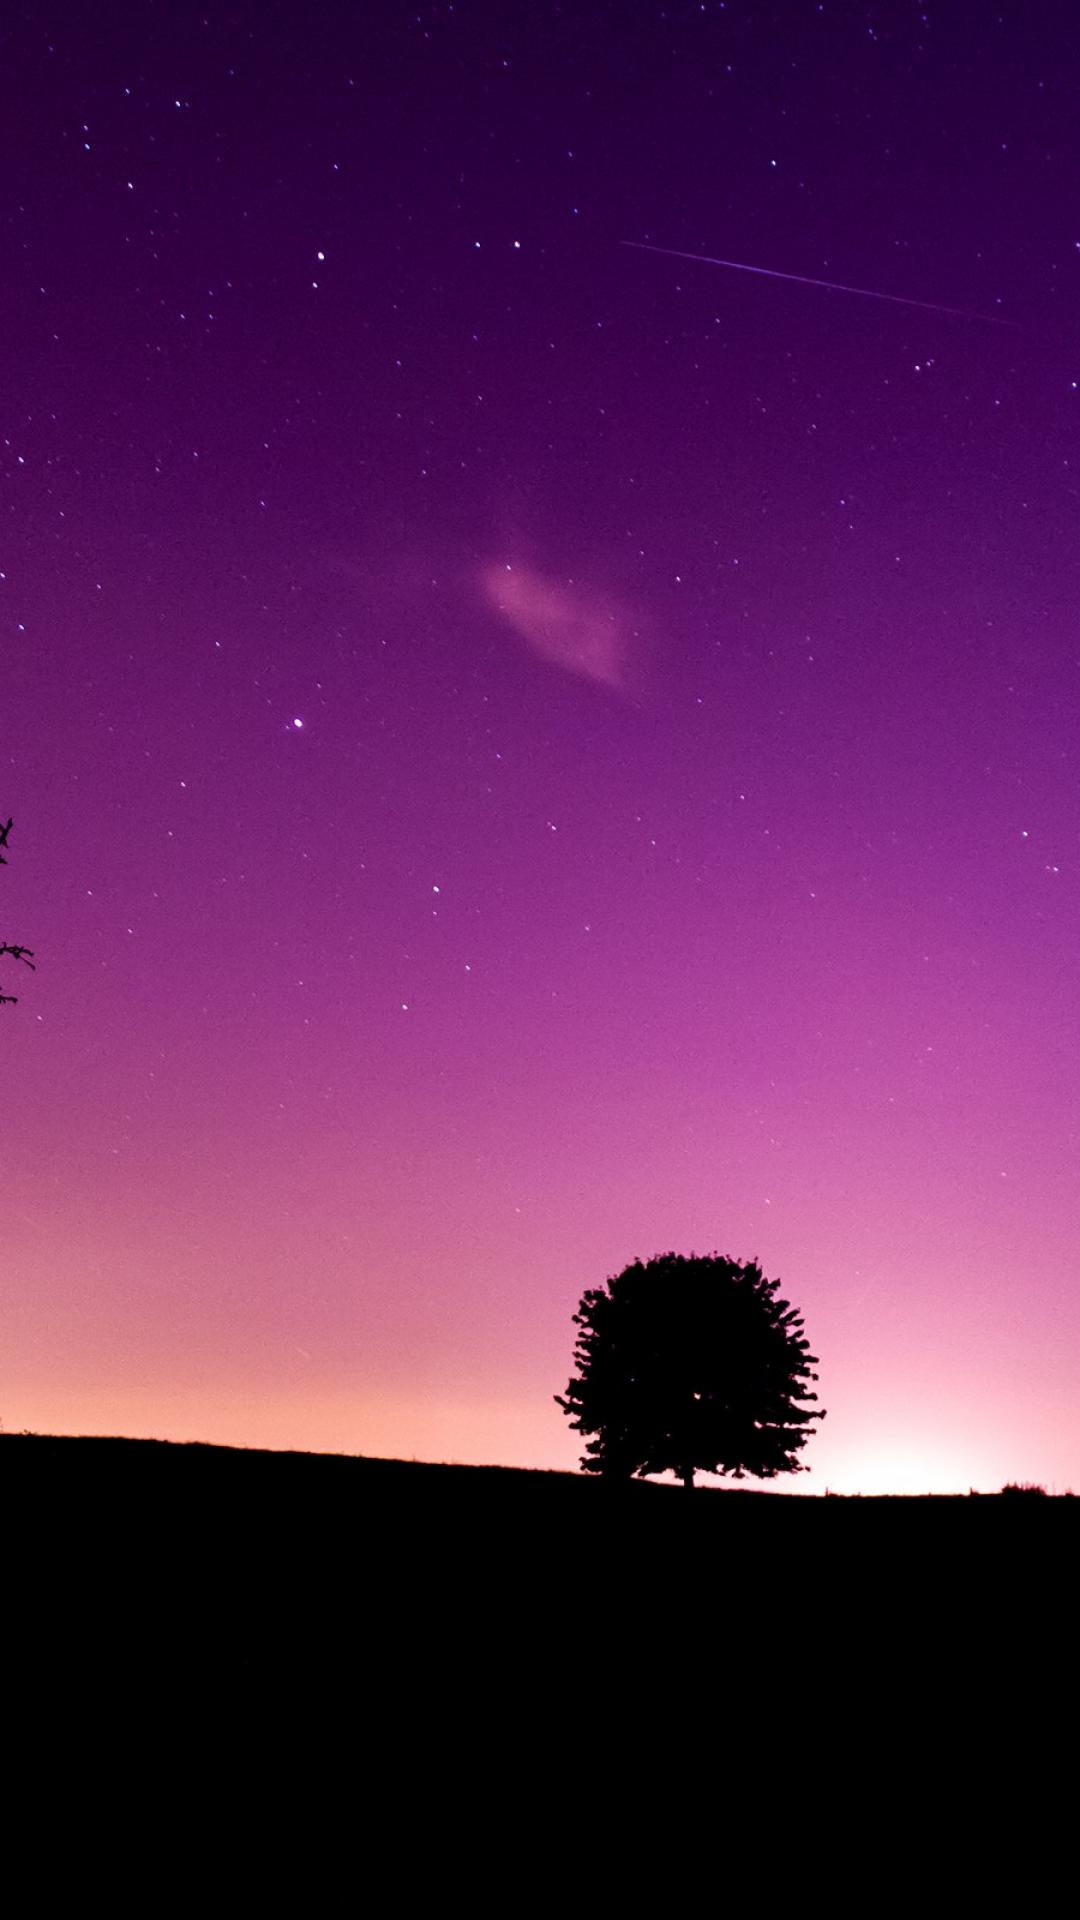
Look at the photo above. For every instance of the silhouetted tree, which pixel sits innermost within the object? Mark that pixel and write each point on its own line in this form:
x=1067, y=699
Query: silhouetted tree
x=690, y=1363
x=16, y=952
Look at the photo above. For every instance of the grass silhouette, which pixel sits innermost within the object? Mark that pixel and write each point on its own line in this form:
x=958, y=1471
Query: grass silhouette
x=420, y=1590
x=161, y=1477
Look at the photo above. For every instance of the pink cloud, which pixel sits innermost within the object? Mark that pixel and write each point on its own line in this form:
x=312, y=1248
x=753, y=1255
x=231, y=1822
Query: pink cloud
x=565, y=624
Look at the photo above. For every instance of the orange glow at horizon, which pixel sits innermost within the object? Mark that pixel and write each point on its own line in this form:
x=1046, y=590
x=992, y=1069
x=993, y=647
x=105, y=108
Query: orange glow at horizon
x=497, y=1432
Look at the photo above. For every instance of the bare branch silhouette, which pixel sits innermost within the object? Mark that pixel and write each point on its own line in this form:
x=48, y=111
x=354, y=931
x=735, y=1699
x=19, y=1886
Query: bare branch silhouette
x=14, y=948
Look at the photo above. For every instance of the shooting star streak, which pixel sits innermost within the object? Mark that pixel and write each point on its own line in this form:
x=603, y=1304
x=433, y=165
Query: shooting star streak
x=832, y=286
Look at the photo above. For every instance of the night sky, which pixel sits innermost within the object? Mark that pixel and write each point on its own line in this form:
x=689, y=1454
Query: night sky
x=526, y=751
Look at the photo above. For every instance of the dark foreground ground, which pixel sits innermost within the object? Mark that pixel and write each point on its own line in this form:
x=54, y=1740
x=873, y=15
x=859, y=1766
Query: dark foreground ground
x=392, y=1526
x=195, y=1484
x=323, y=1612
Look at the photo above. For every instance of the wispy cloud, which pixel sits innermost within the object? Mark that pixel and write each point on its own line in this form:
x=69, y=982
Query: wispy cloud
x=563, y=622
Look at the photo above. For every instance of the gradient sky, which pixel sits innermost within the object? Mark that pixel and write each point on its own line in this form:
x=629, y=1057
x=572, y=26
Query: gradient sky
x=526, y=752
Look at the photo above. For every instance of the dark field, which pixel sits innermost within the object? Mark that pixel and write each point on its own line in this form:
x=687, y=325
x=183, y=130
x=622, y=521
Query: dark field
x=338, y=1594
x=233, y=1503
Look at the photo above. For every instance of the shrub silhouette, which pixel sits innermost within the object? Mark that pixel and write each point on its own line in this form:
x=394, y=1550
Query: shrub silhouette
x=690, y=1363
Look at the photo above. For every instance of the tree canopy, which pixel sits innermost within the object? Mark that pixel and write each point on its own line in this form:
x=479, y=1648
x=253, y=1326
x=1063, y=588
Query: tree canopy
x=691, y=1363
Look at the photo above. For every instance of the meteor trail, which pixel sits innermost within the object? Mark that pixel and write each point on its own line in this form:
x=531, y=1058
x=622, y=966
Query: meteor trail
x=833, y=286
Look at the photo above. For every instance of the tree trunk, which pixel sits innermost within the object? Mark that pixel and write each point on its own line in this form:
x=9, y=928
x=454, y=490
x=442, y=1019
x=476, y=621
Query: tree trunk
x=687, y=1477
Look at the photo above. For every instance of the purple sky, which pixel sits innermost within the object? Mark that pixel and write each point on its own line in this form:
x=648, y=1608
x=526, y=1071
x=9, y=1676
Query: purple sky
x=527, y=752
